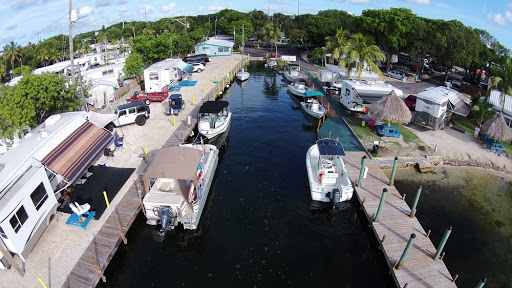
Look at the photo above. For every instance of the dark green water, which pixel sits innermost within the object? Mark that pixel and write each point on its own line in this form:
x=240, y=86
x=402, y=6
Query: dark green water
x=258, y=229
x=477, y=204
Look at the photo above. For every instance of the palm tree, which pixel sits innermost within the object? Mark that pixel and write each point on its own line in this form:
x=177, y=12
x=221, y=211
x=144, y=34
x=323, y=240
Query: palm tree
x=13, y=53
x=43, y=57
x=272, y=32
x=503, y=81
x=336, y=45
x=361, y=54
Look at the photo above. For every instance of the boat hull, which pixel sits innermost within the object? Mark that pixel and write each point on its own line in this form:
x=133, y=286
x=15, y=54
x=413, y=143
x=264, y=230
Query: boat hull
x=298, y=90
x=313, y=108
x=205, y=129
x=242, y=75
x=323, y=190
x=293, y=78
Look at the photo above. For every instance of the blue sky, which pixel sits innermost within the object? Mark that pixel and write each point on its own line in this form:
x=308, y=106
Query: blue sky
x=24, y=21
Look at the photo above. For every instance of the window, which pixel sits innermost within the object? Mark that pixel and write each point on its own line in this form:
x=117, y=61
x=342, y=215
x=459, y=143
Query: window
x=2, y=233
x=18, y=219
x=131, y=111
x=39, y=196
x=223, y=49
x=121, y=113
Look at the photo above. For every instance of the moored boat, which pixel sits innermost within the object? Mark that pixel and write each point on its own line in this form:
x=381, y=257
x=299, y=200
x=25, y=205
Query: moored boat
x=180, y=179
x=214, y=118
x=311, y=105
x=327, y=174
x=298, y=89
x=243, y=75
x=292, y=73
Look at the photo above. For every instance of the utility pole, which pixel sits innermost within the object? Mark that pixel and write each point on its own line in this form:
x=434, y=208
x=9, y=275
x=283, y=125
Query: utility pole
x=71, y=53
x=298, y=7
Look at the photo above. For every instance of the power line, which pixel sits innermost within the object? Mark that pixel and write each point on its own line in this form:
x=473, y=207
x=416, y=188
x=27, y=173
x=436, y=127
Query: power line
x=43, y=29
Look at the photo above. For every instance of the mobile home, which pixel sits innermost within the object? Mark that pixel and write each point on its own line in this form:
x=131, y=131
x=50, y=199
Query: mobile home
x=357, y=96
x=164, y=73
x=33, y=174
x=435, y=106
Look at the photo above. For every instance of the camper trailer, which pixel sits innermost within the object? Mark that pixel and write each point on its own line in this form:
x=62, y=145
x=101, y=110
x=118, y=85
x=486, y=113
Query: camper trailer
x=357, y=96
x=33, y=174
x=435, y=105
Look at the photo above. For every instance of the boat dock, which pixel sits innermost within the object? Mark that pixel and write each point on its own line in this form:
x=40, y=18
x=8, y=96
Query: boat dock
x=394, y=228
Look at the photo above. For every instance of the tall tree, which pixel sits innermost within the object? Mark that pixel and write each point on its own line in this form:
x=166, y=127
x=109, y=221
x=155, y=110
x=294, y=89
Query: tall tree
x=361, y=54
x=336, y=45
x=13, y=53
x=133, y=66
x=272, y=33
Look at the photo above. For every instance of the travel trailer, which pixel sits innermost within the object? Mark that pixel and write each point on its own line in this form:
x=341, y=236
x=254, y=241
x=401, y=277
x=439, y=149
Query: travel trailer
x=435, y=105
x=357, y=96
x=33, y=174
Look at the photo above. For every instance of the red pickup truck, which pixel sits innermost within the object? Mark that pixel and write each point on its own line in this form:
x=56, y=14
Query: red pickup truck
x=148, y=97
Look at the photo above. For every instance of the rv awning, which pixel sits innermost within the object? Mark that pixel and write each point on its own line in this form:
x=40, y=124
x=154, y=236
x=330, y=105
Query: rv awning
x=459, y=106
x=185, y=67
x=75, y=154
x=174, y=162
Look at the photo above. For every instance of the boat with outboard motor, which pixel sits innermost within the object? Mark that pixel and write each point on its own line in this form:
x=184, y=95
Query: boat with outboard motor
x=327, y=174
x=214, y=118
x=179, y=180
x=292, y=73
x=298, y=89
x=311, y=105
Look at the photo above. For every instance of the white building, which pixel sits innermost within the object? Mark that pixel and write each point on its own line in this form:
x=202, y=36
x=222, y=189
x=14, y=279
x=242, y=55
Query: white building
x=104, y=80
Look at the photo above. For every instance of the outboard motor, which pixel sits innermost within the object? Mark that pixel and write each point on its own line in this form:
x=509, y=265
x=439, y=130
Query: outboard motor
x=167, y=218
x=335, y=198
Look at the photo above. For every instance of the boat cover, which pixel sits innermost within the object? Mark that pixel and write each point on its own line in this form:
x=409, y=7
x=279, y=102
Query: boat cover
x=311, y=93
x=330, y=147
x=174, y=162
x=174, y=96
x=213, y=106
x=78, y=151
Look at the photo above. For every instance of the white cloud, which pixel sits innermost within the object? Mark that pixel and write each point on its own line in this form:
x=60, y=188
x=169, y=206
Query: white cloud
x=123, y=9
x=423, y=2
x=85, y=11
x=359, y=1
x=497, y=18
x=442, y=5
x=20, y=4
x=508, y=15
x=217, y=6
x=169, y=7
x=201, y=8
x=103, y=3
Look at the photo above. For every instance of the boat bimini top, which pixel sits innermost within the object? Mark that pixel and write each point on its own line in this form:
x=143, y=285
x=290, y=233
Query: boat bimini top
x=330, y=147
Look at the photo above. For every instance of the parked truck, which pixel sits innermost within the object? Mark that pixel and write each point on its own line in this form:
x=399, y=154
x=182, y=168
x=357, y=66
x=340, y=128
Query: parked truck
x=148, y=97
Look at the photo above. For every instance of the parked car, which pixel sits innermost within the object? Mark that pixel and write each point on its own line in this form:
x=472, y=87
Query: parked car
x=199, y=58
x=198, y=67
x=395, y=74
x=148, y=97
x=133, y=112
x=410, y=102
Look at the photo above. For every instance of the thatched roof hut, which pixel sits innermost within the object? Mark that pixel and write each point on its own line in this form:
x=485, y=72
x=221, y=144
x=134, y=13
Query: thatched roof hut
x=391, y=108
x=497, y=128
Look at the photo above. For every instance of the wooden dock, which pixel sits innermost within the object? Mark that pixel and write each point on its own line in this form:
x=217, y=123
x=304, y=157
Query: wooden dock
x=105, y=242
x=419, y=269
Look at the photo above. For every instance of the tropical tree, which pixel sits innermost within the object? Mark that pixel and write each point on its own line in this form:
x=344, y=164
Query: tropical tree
x=272, y=32
x=361, y=54
x=502, y=81
x=482, y=111
x=319, y=54
x=43, y=57
x=13, y=53
x=133, y=66
x=336, y=44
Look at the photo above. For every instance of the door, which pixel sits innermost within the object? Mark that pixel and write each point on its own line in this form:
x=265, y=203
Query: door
x=206, y=50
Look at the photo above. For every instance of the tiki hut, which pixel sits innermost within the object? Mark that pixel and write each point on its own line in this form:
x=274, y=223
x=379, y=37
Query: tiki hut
x=497, y=128
x=391, y=108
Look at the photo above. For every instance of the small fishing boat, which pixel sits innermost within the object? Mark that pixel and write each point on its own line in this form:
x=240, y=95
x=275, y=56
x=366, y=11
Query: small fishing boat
x=298, y=89
x=327, y=174
x=214, y=118
x=311, y=105
x=292, y=73
x=179, y=180
x=176, y=104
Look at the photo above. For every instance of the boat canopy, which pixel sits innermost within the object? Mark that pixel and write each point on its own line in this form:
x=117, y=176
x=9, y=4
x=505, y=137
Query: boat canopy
x=328, y=147
x=312, y=93
x=213, y=106
x=174, y=162
x=174, y=96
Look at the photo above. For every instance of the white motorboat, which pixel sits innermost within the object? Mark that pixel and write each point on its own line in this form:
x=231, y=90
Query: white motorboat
x=214, y=118
x=243, y=75
x=292, y=73
x=327, y=174
x=312, y=106
x=298, y=89
x=179, y=179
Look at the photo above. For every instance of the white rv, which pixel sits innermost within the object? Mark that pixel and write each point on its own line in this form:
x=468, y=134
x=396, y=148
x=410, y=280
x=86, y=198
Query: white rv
x=357, y=96
x=47, y=160
x=435, y=105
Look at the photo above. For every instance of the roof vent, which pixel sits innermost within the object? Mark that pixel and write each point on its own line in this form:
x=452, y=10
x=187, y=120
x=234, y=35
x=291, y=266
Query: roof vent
x=52, y=120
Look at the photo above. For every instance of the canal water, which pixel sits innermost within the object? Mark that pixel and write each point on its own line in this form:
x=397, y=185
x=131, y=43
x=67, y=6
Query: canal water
x=259, y=227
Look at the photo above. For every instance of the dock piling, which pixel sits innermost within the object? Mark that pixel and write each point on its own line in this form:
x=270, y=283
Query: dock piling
x=415, y=203
x=404, y=254
x=443, y=241
x=481, y=283
x=393, y=172
x=106, y=199
x=98, y=268
x=381, y=204
x=121, y=231
x=455, y=278
x=361, y=173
